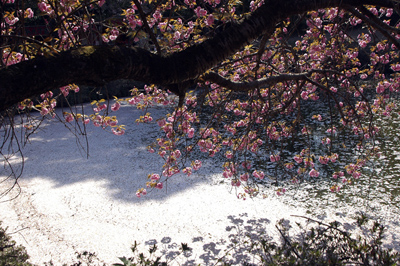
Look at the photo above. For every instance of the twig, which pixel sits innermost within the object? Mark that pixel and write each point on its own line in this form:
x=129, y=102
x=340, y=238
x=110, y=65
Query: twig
x=288, y=242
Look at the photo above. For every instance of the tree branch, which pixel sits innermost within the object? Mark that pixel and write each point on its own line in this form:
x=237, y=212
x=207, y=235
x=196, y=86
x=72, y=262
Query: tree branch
x=97, y=65
x=147, y=27
x=372, y=20
x=246, y=86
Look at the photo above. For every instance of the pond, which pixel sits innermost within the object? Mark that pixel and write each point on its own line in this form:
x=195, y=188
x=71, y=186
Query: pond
x=376, y=192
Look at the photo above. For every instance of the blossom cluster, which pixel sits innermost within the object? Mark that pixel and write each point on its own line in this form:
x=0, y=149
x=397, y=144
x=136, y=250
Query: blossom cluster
x=324, y=64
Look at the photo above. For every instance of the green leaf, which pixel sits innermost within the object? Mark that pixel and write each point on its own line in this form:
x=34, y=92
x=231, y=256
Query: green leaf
x=126, y=261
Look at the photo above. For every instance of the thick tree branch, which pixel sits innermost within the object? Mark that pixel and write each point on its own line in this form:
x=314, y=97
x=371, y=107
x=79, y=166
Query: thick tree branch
x=93, y=65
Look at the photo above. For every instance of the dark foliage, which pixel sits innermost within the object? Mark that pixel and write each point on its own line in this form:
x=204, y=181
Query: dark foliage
x=10, y=253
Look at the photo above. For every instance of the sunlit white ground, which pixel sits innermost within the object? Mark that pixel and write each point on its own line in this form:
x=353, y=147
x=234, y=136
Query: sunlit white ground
x=69, y=203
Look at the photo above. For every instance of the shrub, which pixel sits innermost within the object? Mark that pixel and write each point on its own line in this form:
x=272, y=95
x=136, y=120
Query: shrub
x=139, y=259
x=327, y=244
x=10, y=253
x=324, y=244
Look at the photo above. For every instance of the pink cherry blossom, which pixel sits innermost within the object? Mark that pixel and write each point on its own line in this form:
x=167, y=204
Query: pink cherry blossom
x=100, y=107
x=210, y=20
x=229, y=155
x=235, y=183
x=280, y=191
x=305, y=131
x=323, y=159
x=314, y=173
x=200, y=12
x=356, y=174
x=28, y=13
x=246, y=165
x=177, y=35
x=395, y=67
x=289, y=165
x=334, y=188
x=44, y=7
x=187, y=170
x=65, y=90
x=380, y=88
x=147, y=118
x=298, y=159
x=69, y=118
x=161, y=122
x=11, y=20
x=141, y=192
x=190, y=3
x=196, y=165
x=44, y=111
x=326, y=140
x=244, y=177
x=227, y=173
x=331, y=130
x=333, y=89
x=157, y=15
x=112, y=122
x=334, y=157
x=258, y=174
x=191, y=133
x=118, y=131
x=115, y=107
x=177, y=153
x=155, y=177
x=308, y=162
x=275, y=158
x=46, y=95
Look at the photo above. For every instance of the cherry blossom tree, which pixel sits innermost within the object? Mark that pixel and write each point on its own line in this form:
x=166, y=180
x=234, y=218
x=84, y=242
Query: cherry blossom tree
x=256, y=67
